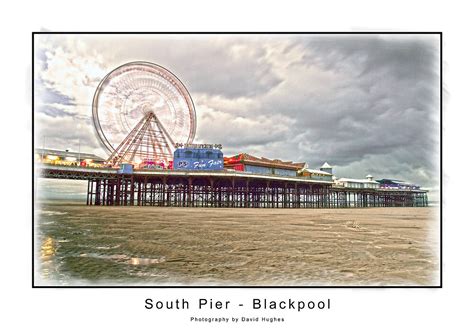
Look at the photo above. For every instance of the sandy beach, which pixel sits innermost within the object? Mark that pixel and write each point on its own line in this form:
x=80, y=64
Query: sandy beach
x=84, y=245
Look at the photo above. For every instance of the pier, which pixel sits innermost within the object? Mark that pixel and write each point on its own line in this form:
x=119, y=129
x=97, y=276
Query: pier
x=232, y=189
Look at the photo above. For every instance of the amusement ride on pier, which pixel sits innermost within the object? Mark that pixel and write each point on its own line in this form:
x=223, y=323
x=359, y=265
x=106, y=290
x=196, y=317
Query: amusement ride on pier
x=146, y=122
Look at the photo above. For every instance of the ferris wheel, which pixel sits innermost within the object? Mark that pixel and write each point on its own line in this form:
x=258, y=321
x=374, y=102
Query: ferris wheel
x=140, y=111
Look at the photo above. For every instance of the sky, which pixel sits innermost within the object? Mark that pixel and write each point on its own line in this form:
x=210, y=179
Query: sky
x=367, y=104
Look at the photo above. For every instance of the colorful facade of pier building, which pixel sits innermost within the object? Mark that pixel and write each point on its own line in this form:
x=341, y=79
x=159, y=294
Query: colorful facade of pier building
x=260, y=165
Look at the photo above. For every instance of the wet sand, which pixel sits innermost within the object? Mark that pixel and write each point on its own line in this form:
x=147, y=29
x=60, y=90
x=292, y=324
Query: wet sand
x=80, y=245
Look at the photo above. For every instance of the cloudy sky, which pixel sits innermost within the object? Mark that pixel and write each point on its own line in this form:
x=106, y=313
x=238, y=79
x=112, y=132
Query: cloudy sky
x=364, y=103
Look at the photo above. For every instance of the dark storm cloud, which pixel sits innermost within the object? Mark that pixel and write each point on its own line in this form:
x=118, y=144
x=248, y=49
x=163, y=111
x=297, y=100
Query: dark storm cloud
x=386, y=103
x=366, y=104
x=390, y=101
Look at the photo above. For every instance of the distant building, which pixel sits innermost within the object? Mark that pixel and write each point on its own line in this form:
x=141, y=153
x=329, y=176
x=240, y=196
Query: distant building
x=326, y=168
x=252, y=164
x=397, y=184
x=368, y=182
x=324, y=173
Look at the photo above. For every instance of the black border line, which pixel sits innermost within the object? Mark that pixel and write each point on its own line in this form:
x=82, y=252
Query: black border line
x=239, y=33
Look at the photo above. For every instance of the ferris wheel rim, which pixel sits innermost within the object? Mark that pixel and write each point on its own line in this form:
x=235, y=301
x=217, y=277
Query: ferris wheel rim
x=184, y=91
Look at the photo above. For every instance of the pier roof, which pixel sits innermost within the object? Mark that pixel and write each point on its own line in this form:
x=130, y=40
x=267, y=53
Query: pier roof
x=263, y=161
x=351, y=180
x=326, y=166
x=316, y=171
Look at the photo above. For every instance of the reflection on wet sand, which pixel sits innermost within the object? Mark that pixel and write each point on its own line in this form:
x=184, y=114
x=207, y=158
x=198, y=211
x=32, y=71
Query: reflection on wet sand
x=47, y=248
x=189, y=246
